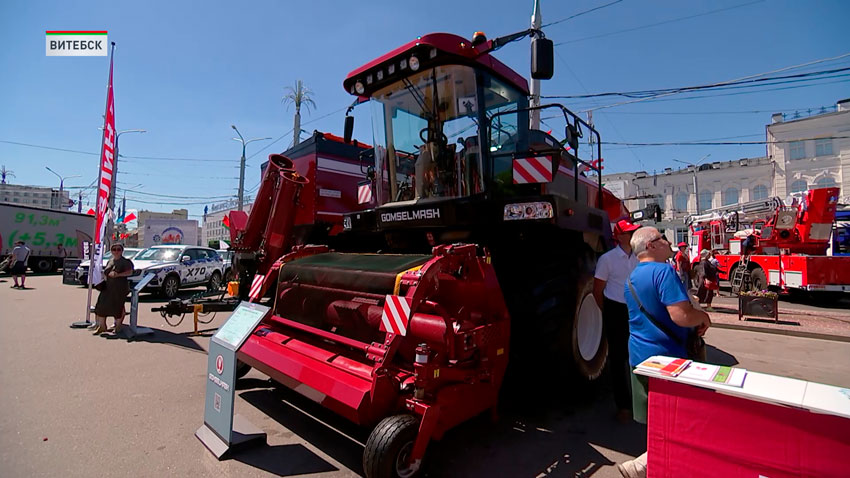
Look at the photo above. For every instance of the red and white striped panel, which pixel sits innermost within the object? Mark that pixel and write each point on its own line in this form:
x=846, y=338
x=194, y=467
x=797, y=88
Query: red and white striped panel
x=364, y=193
x=396, y=315
x=533, y=170
x=256, y=287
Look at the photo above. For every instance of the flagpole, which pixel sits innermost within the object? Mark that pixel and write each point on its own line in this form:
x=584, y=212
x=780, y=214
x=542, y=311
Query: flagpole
x=86, y=323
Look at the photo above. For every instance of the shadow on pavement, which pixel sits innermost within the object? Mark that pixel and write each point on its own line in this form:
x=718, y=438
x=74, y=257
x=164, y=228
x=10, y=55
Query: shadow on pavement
x=284, y=460
x=559, y=437
x=714, y=355
x=326, y=431
x=160, y=336
x=771, y=321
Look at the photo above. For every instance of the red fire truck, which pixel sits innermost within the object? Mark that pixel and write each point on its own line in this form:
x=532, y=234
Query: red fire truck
x=769, y=243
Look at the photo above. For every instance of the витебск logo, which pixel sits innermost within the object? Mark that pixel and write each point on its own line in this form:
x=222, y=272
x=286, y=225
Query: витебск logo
x=76, y=43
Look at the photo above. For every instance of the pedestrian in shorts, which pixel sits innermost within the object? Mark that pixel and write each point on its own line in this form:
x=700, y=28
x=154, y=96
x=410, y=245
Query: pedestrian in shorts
x=20, y=254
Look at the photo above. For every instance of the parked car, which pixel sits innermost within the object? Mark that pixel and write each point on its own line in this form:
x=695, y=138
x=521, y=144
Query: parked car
x=227, y=257
x=82, y=271
x=177, y=266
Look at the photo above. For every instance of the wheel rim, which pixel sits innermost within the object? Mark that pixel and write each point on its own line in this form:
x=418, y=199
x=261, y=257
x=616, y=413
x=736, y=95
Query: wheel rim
x=403, y=467
x=215, y=282
x=588, y=328
x=171, y=287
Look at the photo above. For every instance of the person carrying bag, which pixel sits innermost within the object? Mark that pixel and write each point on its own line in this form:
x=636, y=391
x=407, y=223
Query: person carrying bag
x=662, y=321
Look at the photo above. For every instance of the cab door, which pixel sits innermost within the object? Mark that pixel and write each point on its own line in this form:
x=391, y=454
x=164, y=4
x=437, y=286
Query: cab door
x=193, y=270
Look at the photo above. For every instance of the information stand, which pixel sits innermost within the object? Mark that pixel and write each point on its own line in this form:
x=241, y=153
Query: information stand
x=222, y=431
x=771, y=426
x=134, y=308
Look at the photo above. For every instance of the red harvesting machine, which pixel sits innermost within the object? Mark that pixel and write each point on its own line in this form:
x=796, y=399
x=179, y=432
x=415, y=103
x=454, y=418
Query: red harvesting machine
x=472, y=239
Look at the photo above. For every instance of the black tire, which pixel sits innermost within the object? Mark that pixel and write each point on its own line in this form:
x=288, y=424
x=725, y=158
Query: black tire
x=170, y=286
x=388, y=447
x=242, y=369
x=228, y=275
x=42, y=265
x=215, y=281
x=758, y=281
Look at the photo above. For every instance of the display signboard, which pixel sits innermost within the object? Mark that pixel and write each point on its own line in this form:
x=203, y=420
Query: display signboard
x=221, y=379
x=69, y=271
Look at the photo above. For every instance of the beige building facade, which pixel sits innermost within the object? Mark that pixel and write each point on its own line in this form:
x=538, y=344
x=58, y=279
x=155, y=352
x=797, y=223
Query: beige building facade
x=801, y=153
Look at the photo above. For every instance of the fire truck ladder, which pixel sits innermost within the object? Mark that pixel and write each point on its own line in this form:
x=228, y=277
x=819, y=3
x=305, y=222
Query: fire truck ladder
x=741, y=276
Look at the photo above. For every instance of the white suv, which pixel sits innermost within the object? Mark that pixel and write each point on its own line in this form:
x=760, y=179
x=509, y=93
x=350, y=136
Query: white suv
x=178, y=267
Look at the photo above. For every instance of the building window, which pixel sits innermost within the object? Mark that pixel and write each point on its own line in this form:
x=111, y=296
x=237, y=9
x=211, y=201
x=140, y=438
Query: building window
x=825, y=182
x=759, y=192
x=823, y=147
x=799, y=186
x=705, y=198
x=681, y=234
x=798, y=149
x=681, y=203
x=730, y=196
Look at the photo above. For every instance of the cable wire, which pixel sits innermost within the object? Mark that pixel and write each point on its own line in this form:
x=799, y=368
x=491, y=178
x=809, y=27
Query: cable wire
x=688, y=17
x=580, y=14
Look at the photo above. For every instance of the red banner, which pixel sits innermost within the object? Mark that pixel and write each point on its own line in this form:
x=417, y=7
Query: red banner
x=107, y=160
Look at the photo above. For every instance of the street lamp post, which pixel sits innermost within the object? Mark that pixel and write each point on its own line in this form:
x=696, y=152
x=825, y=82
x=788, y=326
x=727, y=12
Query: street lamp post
x=242, y=165
x=696, y=184
x=61, y=183
x=114, y=188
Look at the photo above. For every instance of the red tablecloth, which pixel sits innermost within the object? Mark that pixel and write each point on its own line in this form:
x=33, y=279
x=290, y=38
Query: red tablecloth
x=694, y=432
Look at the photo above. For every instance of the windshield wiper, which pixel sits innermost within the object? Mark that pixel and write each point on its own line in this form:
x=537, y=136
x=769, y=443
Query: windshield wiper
x=417, y=95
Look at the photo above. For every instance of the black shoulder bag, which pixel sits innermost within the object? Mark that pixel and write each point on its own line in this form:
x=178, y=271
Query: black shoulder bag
x=694, y=345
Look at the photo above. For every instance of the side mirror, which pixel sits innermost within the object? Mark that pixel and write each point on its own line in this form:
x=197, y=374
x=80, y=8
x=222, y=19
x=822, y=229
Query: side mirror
x=348, y=129
x=185, y=259
x=542, y=59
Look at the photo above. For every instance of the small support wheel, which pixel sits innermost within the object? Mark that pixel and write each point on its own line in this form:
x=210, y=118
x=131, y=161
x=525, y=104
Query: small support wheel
x=388, y=449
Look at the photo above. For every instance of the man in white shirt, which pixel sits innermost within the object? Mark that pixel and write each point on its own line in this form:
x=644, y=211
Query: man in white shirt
x=609, y=284
x=20, y=254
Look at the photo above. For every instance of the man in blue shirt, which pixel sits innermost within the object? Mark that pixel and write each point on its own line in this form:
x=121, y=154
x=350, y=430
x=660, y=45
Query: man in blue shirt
x=662, y=295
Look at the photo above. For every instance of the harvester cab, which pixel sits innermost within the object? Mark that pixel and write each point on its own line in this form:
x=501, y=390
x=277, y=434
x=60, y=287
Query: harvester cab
x=478, y=244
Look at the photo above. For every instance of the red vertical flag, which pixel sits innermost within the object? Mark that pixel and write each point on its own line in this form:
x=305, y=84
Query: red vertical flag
x=107, y=165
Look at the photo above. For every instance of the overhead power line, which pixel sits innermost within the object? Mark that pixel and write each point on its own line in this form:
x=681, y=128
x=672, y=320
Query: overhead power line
x=787, y=68
x=749, y=83
x=672, y=20
x=600, y=7
x=717, y=143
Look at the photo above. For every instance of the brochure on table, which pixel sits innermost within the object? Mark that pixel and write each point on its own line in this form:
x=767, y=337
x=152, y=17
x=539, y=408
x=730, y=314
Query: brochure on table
x=762, y=387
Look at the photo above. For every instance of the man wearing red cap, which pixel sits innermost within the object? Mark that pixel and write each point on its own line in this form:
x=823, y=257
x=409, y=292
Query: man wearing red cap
x=683, y=265
x=609, y=283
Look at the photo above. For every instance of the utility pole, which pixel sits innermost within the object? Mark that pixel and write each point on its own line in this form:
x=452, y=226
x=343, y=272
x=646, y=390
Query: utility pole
x=240, y=203
x=696, y=184
x=536, y=22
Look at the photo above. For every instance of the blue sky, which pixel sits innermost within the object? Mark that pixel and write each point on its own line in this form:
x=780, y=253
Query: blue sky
x=186, y=71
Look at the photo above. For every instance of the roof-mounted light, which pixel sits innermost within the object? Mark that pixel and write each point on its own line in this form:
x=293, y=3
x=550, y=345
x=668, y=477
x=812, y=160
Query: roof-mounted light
x=359, y=88
x=414, y=63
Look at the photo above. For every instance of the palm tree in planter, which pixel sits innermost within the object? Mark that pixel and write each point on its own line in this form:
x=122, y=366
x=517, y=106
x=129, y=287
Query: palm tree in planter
x=298, y=96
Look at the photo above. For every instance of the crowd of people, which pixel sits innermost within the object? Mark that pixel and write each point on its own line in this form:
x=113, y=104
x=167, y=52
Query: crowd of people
x=644, y=292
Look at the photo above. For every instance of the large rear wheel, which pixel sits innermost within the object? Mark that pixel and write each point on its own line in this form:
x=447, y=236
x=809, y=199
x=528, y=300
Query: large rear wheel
x=388, y=449
x=586, y=341
x=758, y=281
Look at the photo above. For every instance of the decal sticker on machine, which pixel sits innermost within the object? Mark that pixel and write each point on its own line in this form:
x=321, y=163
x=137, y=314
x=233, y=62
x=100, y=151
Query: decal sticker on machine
x=256, y=287
x=410, y=215
x=532, y=170
x=396, y=315
x=364, y=192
